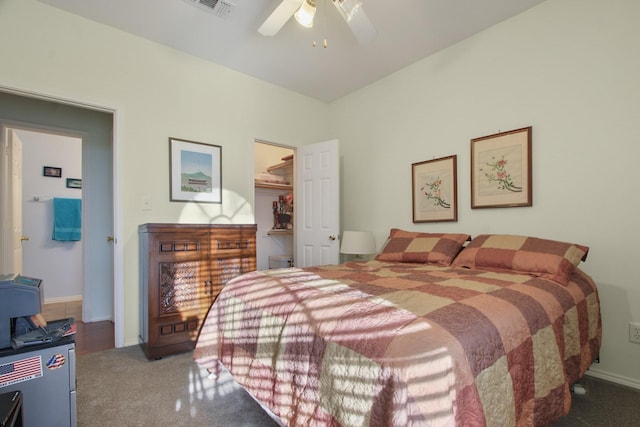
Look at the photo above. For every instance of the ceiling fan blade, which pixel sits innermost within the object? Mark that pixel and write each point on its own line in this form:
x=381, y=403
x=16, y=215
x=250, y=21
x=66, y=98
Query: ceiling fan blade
x=279, y=17
x=357, y=19
x=362, y=27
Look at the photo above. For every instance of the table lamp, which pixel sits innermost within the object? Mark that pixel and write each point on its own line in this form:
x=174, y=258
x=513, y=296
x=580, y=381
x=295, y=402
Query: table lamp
x=358, y=243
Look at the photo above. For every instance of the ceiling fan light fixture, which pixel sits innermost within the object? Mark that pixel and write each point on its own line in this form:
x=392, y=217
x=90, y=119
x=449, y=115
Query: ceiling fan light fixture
x=304, y=15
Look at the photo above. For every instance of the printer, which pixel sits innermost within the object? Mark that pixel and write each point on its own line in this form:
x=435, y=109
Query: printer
x=20, y=297
x=20, y=304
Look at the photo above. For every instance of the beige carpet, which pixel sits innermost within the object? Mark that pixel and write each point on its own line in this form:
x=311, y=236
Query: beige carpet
x=121, y=387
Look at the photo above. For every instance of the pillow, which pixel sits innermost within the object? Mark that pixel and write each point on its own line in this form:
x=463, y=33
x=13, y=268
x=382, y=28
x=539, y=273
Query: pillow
x=427, y=248
x=540, y=257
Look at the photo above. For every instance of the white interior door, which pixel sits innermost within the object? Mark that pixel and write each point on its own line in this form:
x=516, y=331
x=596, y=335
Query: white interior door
x=98, y=211
x=11, y=203
x=317, y=201
x=16, y=200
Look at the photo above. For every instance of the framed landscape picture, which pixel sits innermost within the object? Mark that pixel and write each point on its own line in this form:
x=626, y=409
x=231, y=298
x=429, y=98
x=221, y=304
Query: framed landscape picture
x=501, y=170
x=196, y=171
x=435, y=190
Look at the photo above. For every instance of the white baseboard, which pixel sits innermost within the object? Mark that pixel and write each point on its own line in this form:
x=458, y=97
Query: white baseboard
x=99, y=319
x=57, y=300
x=613, y=378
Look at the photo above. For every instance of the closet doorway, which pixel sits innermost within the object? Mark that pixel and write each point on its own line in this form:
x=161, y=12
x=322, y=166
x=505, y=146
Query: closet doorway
x=273, y=199
x=307, y=177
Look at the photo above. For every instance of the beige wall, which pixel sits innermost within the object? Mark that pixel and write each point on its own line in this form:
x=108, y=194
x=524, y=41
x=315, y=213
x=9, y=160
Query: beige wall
x=570, y=69
x=156, y=93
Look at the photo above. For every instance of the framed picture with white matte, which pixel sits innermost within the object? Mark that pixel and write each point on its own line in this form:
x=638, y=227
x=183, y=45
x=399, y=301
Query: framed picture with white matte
x=196, y=171
x=435, y=190
x=501, y=170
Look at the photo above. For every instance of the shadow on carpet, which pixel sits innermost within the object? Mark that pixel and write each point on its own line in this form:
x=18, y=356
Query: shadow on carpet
x=121, y=387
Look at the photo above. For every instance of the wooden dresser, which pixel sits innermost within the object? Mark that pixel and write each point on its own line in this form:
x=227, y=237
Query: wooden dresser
x=183, y=268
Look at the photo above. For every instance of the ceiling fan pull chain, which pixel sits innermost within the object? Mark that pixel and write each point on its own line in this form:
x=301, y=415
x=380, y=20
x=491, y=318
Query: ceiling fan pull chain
x=324, y=27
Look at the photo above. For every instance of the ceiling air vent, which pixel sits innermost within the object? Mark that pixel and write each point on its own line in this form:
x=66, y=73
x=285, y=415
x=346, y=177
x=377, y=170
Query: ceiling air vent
x=221, y=8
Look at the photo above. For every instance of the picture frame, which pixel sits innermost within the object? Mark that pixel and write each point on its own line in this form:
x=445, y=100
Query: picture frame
x=51, y=171
x=74, y=183
x=501, y=170
x=434, y=186
x=195, y=171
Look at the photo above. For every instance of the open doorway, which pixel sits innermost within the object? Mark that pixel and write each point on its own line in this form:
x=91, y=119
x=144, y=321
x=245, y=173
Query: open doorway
x=274, y=189
x=96, y=258
x=42, y=256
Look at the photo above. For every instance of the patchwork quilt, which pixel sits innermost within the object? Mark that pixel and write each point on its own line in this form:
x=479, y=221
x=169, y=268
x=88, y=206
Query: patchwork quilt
x=398, y=344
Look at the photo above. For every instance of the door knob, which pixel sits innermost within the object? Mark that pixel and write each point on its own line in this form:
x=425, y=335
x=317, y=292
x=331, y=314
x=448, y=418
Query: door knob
x=23, y=238
x=110, y=239
x=332, y=237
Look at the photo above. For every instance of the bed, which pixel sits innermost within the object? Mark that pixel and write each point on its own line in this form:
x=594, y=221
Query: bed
x=429, y=333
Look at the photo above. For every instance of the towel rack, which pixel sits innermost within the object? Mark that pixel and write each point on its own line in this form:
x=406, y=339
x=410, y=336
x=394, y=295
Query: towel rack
x=41, y=198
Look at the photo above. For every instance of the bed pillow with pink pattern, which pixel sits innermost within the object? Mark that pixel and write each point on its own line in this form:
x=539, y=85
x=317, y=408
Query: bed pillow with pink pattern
x=424, y=248
x=539, y=257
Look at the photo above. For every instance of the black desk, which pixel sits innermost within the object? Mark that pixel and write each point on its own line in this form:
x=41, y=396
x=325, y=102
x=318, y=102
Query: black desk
x=11, y=409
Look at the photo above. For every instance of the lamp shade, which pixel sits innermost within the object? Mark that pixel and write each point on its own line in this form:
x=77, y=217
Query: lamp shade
x=358, y=243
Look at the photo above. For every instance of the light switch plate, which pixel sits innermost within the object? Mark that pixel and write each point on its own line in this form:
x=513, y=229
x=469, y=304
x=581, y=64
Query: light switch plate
x=145, y=203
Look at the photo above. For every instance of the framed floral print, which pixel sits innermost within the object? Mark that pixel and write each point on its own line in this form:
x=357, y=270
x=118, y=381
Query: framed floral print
x=501, y=170
x=435, y=190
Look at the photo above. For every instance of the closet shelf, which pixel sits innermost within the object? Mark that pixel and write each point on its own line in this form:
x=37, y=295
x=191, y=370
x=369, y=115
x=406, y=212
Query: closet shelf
x=274, y=186
x=286, y=164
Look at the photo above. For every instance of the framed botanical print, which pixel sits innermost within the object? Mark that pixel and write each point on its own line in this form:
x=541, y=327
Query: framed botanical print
x=435, y=190
x=501, y=170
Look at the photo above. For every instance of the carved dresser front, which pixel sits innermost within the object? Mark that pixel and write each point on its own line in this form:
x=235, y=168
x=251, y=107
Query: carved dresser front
x=183, y=268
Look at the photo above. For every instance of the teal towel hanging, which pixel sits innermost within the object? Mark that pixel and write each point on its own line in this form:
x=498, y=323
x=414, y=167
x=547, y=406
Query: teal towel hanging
x=67, y=219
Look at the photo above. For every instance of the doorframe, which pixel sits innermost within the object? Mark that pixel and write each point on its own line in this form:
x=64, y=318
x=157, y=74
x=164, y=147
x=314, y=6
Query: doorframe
x=297, y=240
x=118, y=254
x=278, y=145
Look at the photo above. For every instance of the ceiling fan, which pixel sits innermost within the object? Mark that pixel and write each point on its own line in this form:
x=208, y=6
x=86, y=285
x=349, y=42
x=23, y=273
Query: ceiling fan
x=304, y=10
